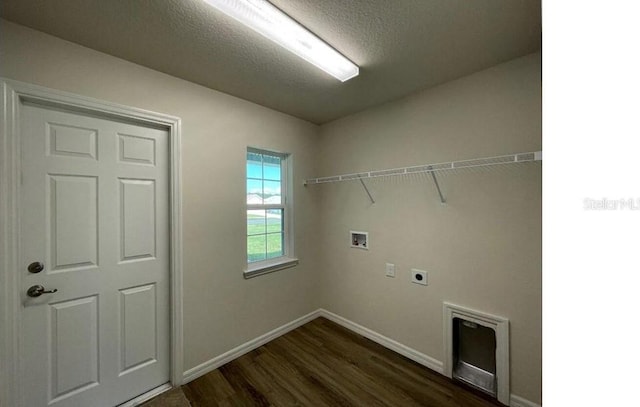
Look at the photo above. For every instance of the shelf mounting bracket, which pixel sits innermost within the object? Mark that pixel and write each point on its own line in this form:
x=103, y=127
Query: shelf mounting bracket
x=435, y=181
x=366, y=189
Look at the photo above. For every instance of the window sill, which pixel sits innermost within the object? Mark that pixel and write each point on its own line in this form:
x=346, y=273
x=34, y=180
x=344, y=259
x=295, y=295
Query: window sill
x=269, y=266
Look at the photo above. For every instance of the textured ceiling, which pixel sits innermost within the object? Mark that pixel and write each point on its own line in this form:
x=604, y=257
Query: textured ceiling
x=401, y=46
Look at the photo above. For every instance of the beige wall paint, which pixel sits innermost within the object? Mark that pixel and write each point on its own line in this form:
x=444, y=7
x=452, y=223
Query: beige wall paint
x=482, y=250
x=221, y=309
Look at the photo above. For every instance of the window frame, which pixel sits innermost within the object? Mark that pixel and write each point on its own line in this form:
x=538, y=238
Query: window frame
x=260, y=267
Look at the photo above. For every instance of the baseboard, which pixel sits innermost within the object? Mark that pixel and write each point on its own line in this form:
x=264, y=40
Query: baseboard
x=516, y=401
x=246, y=347
x=388, y=343
x=416, y=356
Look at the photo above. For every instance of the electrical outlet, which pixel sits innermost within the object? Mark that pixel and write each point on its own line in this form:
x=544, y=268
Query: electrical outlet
x=419, y=277
x=391, y=270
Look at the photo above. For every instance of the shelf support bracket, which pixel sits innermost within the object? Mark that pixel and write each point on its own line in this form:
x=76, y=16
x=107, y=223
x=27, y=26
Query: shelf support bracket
x=367, y=190
x=435, y=181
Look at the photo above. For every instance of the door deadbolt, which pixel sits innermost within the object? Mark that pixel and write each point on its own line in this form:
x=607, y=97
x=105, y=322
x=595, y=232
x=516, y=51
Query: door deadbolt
x=35, y=267
x=38, y=290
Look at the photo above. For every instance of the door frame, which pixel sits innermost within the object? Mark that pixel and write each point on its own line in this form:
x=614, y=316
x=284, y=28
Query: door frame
x=12, y=95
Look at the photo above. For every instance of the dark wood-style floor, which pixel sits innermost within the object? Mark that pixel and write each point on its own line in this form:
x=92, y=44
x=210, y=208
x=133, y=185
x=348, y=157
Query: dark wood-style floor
x=324, y=364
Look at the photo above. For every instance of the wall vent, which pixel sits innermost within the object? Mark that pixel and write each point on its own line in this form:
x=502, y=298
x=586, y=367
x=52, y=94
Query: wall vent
x=477, y=350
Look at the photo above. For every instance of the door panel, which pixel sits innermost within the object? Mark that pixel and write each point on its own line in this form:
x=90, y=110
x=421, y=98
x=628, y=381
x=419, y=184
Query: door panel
x=138, y=340
x=74, y=346
x=94, y=202
x=72, y=141
x=137, y=150
x=138, y=217
x=73, y=210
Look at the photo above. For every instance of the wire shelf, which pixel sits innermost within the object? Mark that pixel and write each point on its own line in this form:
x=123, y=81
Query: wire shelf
x=431, y=168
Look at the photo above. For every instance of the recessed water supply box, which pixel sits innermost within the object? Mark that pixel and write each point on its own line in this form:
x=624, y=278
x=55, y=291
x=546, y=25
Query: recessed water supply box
x=360, y=240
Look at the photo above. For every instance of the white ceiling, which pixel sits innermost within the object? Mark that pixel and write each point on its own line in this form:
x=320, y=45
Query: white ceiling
x=401, y=46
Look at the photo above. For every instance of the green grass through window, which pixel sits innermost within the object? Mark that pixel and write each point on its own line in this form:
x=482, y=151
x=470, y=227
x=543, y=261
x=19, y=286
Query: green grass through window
x=261, y=246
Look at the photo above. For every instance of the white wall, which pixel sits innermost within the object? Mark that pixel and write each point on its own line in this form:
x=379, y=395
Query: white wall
x=482, y=250
x=221, y=309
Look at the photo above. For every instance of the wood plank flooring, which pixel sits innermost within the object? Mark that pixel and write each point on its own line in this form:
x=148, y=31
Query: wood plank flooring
x=324, y=364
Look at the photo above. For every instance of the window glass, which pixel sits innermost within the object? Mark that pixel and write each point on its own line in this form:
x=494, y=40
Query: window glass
x=266, y=232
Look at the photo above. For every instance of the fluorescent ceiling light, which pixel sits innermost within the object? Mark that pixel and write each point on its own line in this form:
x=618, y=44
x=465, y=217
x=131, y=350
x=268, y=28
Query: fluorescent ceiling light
x=264, y=18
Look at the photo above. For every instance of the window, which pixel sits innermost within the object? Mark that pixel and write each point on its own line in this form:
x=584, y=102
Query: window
x=269, y=244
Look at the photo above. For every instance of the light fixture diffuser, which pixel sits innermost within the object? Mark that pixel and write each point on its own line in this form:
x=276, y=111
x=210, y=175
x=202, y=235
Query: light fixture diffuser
x=264, y=18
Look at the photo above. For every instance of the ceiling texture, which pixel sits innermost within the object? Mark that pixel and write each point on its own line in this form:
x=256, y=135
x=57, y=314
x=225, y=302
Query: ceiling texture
x=401, y=46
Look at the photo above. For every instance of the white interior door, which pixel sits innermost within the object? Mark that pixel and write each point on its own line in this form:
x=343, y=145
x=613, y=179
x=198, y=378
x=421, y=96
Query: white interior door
x=94, y=208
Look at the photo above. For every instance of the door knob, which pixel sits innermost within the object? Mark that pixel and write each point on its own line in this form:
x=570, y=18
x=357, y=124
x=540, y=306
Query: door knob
x=38, y=290
x=35, y=267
